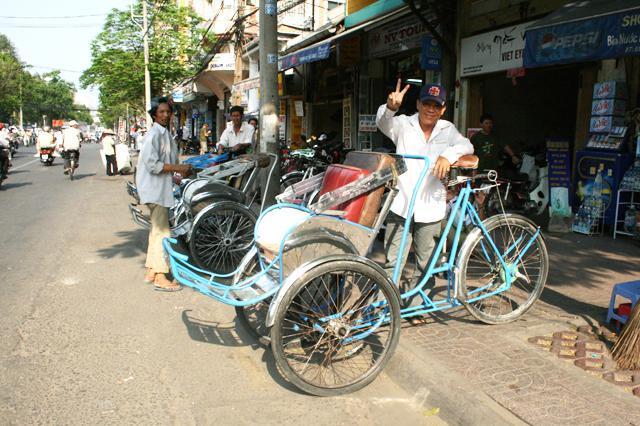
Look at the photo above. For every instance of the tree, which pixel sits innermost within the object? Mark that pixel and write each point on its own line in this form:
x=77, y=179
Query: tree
x=10, y=73
x=117, y=65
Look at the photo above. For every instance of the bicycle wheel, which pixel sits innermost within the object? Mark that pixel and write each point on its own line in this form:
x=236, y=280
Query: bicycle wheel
x=336, y=327
x=222, y=236
x=482, y=277
x=254, y=317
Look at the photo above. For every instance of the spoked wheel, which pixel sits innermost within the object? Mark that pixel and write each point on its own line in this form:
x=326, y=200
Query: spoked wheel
x=221, y=236
x=483, y=287
x=336, y=327
x=72, y=170
x=254, y=317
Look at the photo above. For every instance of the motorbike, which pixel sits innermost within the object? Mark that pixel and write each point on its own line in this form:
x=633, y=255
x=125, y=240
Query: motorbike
x=524, y=189
x=46, y=156
x=4, y=163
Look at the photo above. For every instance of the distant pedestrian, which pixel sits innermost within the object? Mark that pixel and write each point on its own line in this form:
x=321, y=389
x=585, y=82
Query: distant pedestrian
x=205, y=133
x=108, y=148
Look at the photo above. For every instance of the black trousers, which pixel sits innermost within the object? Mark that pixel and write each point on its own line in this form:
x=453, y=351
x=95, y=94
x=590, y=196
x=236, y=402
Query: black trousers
x=112, y=168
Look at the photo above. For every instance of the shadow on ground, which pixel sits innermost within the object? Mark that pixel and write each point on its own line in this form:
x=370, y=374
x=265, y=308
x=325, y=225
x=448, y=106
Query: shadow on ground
x=82, y=176
x=132, y=244
x=6, y=186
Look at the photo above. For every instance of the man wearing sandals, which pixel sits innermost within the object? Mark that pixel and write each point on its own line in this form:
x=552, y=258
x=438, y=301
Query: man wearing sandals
x=424, y=134
x=157, y=161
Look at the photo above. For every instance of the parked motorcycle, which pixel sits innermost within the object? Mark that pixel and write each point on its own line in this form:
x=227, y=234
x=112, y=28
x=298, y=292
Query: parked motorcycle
x=525, y=189
x=46, y=156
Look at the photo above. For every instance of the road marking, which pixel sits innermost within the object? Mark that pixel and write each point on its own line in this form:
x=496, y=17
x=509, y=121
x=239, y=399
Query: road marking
x=25, y=164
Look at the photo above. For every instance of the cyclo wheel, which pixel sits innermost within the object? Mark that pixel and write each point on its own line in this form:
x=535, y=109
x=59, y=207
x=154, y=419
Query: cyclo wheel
x=221, y=236
x=254, y=317
x=336, y=326
x=481, y=273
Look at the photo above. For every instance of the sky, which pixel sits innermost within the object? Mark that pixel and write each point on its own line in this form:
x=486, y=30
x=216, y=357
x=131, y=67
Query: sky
x=47, y=41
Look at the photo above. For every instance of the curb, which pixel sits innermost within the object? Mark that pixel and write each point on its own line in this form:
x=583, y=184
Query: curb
x=458, y=404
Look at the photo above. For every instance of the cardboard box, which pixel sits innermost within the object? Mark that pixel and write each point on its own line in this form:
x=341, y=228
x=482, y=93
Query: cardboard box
x=614, y=107
x=610, y=90
x=604, y=123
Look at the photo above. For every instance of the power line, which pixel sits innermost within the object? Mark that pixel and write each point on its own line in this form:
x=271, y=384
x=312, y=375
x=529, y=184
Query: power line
x=53, y=17
x=55, y=69
x=38, y=27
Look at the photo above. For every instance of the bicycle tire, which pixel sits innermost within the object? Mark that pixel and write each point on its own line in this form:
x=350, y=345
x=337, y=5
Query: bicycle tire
x=472, y=274
x=303, y=301
x=222, y=236
x=253, y=317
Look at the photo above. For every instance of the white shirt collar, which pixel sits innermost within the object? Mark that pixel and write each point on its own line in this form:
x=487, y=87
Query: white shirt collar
x=160, y=128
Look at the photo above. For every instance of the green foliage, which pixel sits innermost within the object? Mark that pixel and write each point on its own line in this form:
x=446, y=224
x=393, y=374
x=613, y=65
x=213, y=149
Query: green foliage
x=117, y=67
x=46, y=94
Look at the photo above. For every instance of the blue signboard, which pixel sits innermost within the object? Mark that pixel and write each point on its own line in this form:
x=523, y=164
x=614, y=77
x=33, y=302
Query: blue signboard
x=431, y=54
x=592, y=39
x=312, y=54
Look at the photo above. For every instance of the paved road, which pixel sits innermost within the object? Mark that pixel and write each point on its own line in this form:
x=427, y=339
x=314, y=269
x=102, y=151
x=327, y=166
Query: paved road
x=84, y=341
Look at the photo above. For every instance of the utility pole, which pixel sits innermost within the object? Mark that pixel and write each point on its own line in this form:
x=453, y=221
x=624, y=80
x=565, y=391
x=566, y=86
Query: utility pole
x=237, y=75
x=147, y=76
x=20, y=112
x=269, y=105
x=145, y=44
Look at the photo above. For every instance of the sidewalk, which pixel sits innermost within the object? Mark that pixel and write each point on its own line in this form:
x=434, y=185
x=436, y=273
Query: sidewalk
x=499, y=362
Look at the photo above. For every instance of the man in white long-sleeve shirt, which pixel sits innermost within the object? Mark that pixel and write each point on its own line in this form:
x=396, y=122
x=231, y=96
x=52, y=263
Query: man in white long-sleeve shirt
x=157, y=161
x=424, y=134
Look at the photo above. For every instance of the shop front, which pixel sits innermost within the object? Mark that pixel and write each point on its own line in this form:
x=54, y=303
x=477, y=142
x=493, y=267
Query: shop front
x=602, y=36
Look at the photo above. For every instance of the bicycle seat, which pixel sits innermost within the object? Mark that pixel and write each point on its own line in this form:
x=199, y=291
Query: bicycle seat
x=467, y=162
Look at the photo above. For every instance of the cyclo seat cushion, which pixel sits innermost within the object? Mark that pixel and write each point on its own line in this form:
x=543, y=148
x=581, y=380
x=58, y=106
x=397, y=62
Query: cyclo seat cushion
x=275, y=224
x=371, y=161
x=339, y=175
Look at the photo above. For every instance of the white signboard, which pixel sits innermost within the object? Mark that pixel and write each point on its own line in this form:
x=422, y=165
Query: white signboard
x=498, y=50
x=367, y=123
x=222, y=62
x=397, y=37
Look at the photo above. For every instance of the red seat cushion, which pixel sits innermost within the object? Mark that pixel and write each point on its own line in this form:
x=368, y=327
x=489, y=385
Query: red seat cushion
x=339, y=175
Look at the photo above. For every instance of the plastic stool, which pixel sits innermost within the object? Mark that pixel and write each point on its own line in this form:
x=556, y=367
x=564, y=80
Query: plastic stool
x=629, y=290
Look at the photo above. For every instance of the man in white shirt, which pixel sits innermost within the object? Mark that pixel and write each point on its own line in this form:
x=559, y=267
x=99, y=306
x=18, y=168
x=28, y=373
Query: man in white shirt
x=157, y=161
x=71, y=139
x=108, y=148
x=424, y=134
x=239, y=136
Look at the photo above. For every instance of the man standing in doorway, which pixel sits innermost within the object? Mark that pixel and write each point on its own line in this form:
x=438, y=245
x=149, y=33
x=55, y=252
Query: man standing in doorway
x=156, y=163
x=424, y=134
x=488, y=147
x=239, y=136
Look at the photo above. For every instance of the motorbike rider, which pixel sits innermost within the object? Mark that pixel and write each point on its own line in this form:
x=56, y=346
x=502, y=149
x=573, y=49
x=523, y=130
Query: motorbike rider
x=239, y=136
x=45, y=139
x=426, y=134
x=71, y=140
x=5, y=152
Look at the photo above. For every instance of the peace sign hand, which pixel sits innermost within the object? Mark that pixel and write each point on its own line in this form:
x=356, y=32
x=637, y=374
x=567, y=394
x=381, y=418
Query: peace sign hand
x=395, y=98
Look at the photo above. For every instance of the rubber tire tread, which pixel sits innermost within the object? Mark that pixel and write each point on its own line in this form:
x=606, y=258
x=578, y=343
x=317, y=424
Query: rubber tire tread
x=463, y=259
x=281, y=311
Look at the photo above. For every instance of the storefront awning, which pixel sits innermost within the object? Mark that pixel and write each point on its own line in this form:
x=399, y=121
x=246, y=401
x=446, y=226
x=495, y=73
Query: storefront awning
x=322, y=49
x=584, y=31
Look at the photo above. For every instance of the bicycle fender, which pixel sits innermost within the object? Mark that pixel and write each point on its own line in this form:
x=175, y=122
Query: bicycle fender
x=303, y=269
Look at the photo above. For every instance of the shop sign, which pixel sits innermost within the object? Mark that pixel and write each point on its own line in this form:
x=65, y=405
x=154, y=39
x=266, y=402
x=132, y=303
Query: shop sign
x=431, y=54
x=177, y=95
x=493, y=51
x=603, y=37
x=367, y=123
x=246, y=85
x=222, y=62
x=305, y=56
x=397, y=37
x=559, y=163
x=346, y=123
